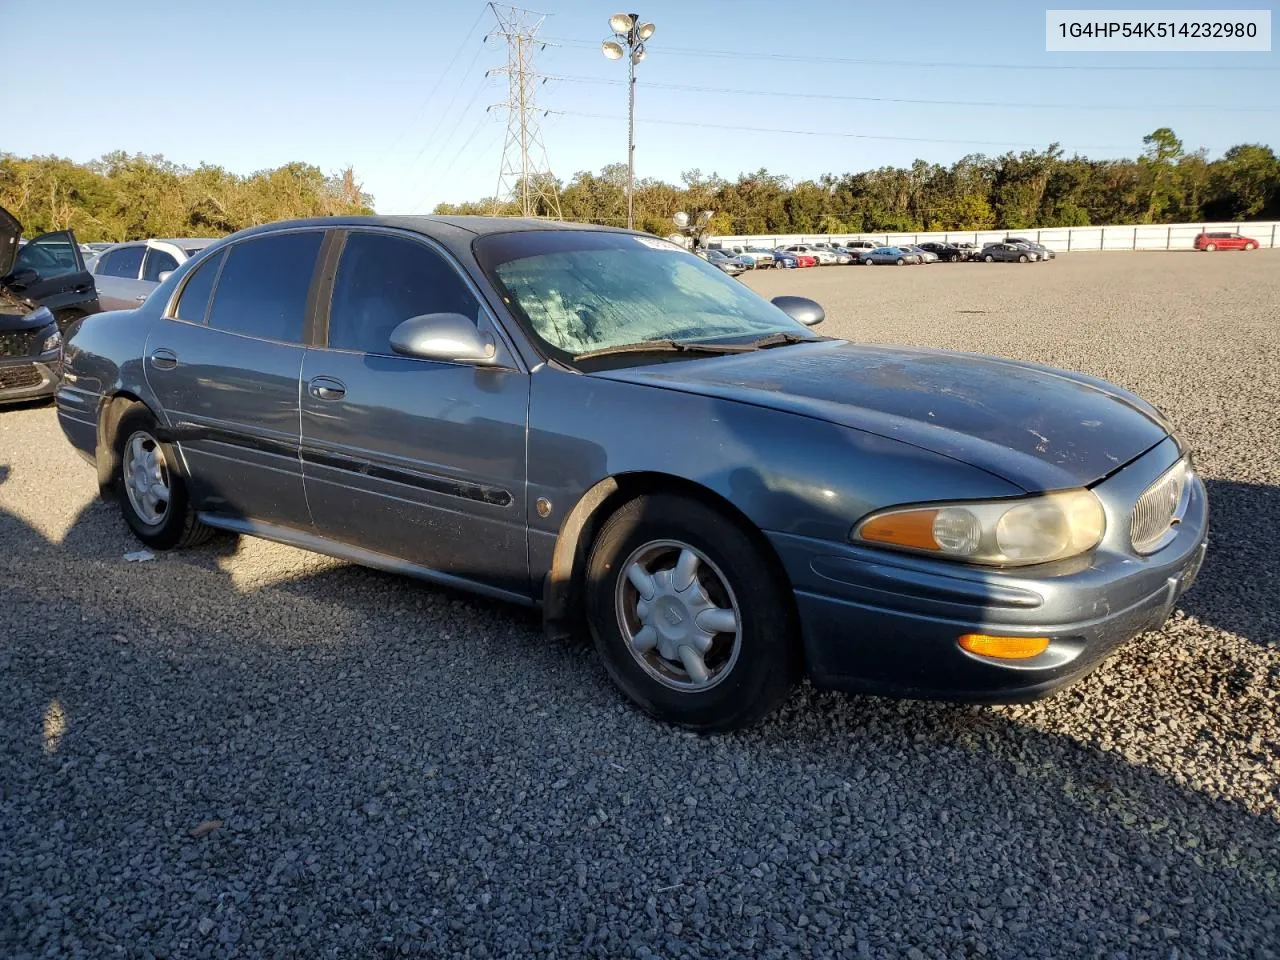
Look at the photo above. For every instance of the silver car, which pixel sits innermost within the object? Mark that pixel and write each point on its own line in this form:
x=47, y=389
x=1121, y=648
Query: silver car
x=127, y=273
x=598, y=423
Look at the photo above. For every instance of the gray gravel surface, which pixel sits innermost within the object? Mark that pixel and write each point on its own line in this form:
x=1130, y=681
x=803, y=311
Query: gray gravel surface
x=378, y=768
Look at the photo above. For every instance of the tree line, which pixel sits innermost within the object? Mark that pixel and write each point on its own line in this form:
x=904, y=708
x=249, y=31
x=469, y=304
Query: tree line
x=1165, y=184
x=123, y=197
x=126, y=197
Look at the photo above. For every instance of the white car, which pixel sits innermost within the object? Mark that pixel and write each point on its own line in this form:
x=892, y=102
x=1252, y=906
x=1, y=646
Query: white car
x=126, y=273
x=825, y=257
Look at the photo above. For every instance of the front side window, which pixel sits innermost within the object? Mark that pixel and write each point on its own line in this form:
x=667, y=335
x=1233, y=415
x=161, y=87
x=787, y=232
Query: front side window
x=577, y=291
x=157, y=262
x=382, y=281
x=194, y=302
x=262, y=291
x=49, y=256
x=124, y=262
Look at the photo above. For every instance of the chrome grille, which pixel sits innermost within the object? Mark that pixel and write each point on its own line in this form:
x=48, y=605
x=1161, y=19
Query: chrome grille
x=1159, y=507
x=20, y=343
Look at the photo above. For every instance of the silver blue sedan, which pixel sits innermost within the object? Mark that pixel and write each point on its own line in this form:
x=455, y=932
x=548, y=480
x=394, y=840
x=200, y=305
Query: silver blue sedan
x=600, y=424
x=897, y=256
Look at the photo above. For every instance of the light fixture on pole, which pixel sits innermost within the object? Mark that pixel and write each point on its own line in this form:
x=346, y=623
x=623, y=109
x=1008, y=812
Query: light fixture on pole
x=695, y=228
x=629, y=36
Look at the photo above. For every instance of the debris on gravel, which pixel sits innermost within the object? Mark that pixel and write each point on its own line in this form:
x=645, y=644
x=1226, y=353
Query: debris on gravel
x=245, y=750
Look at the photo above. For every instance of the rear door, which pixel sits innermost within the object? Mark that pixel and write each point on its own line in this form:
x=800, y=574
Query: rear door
x=118, y=273
x=50, y=270
x=415, y=459
x=225, y=367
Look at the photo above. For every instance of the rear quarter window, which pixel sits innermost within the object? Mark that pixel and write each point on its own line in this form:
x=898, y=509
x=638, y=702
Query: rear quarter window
x=193, y=304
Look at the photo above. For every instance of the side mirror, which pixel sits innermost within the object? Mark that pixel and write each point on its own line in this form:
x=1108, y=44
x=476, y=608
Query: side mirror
x=801, y=309
x=164, y=275
x=450, y=337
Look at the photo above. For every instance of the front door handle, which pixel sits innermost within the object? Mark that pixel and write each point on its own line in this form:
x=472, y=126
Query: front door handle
x=163, y=358
x=140, y=298
x=327, y=388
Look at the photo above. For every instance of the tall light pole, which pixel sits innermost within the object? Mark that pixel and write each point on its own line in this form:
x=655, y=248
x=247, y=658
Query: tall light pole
x=629, y=36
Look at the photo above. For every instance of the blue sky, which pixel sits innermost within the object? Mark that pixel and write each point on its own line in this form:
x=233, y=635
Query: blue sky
x=398, y=90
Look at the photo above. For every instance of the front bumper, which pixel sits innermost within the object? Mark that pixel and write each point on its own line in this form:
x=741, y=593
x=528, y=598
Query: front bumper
x=884, y=623
x=28, y=378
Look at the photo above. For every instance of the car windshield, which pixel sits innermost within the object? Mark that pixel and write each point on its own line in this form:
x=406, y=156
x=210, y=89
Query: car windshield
x=579, y=291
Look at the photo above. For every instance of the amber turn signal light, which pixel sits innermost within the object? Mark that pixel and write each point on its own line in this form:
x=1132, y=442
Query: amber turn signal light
x=1005, y=648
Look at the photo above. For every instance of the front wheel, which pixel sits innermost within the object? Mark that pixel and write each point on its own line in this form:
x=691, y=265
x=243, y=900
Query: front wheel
x=152, y=494
x=1022, y=258
x=690, y=620
x=900, y=262
x=989, y=258
x=1250, y=246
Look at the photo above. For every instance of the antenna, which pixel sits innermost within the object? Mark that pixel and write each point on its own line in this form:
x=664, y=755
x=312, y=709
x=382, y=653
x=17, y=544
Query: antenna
x=525, y=174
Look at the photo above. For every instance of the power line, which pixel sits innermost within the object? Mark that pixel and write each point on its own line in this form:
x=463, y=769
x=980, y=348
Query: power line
x=440, y=80
x=918, y=64
x=690, y=88
x=441, y=142
x=430, y=140
x=825, y=133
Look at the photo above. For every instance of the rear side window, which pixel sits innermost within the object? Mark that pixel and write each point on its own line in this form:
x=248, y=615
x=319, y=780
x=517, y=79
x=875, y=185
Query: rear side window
x=263, y=288
x=194, y=302
x=157, y=263
x=383, y=280
x=125, y=262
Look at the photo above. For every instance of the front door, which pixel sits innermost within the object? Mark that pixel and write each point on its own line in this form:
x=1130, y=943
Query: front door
x=50, y=270
x=418, y=460
x=225, y=368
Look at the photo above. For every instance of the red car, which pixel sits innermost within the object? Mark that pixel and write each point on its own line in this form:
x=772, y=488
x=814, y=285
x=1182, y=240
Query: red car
x=804, y=260
x=1225, y=241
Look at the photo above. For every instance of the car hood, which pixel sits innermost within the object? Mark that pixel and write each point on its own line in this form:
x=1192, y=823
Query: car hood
x=1036, y=427
x=10, y=234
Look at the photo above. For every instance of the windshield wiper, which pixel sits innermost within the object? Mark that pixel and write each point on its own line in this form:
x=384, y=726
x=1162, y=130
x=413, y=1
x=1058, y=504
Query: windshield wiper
x=667, y=346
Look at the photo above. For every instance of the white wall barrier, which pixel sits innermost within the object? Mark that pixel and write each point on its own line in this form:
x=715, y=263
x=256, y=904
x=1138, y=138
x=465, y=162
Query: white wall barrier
x=1178, y=236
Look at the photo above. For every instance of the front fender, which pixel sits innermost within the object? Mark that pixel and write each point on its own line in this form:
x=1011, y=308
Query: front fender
x=786, y=473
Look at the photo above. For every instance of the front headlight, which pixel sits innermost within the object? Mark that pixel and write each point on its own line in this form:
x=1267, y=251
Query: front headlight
x=52, y=342
x=997, y=533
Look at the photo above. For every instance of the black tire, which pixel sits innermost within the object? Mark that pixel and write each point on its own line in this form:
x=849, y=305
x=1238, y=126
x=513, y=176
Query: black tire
x=768, y=660
x=179, y=526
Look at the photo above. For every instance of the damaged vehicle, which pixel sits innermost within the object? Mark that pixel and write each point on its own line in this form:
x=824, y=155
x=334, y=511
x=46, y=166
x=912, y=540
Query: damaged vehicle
x=600, y=424
x=43, y=289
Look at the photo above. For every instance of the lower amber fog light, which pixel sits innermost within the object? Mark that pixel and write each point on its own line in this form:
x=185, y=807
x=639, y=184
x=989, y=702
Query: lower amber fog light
x=1006, y=648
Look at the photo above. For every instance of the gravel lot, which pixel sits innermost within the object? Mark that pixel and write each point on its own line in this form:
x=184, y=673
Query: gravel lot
x=386, y=769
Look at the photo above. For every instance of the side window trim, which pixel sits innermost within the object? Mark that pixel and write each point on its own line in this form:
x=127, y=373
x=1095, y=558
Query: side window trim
x=307, y=324
x=325, y=304
x=171, y=308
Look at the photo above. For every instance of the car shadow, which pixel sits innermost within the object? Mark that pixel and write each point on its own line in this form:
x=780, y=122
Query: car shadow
x=1236, y=587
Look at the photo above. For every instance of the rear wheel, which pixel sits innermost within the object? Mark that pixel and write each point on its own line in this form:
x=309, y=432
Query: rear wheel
x=989, y=258
x=152, y=493
x=1210, y=247
x=900, y=262
x=690, y=620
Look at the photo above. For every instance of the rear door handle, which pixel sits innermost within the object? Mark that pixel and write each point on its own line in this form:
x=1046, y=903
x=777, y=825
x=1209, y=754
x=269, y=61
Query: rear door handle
x=164, y=359
x=327, y=388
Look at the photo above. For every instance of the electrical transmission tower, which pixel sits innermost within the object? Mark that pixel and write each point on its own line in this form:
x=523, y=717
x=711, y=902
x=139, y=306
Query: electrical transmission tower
x=525, y=174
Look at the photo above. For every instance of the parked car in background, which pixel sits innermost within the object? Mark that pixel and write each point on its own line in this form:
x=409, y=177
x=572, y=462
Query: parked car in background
x=893, y=255
x=966, y=250
x=858, y=248
x=1043, y=252
x=764, y=259
x=802, y=259
x=596, y=423
x=824, y=258
x=1224, y=241
x=733, y=266
x=48, y=270
x=784, y=260
x=943, y=251
x=926, y=256
x=1007, y=252
x=126, y=273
